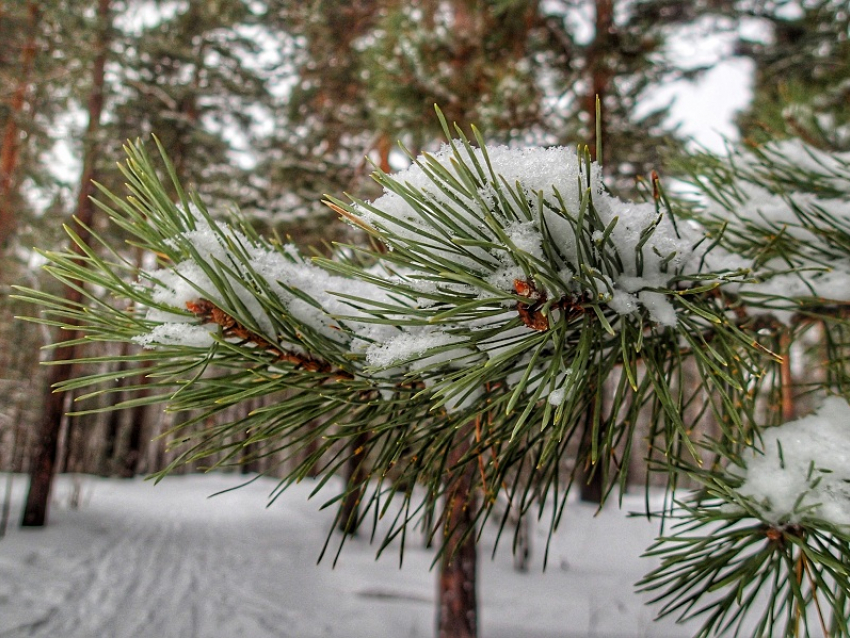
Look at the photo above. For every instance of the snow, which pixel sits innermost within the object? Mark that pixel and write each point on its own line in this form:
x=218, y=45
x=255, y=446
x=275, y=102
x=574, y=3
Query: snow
x=144, y=561
x=805, y=469
x=405, y=346
x=219, y=248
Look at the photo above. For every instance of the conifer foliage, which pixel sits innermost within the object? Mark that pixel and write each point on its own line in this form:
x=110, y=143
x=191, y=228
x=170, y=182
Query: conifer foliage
x=468, y=350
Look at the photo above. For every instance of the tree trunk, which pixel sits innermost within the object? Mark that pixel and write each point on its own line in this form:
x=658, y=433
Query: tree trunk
x=593, y=478
x=457, y=606
x=6, y=506
x=355, y=470
x=9, y=150
x=598, y=71
x=47, y=439
x=787, y=393
x=593, y=486
x=130, y=462
x=111, y=447
x=118, y=460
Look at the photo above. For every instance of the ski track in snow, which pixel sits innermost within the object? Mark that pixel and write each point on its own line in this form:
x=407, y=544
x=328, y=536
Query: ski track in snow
x=138, y=561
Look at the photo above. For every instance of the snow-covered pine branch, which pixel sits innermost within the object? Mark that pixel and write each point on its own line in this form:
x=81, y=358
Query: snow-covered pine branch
x=517, y=326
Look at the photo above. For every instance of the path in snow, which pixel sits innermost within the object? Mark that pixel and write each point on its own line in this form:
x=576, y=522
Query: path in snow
x=144, y=561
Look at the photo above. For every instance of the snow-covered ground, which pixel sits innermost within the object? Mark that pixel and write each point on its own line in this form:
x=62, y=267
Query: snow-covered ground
x=144, y=561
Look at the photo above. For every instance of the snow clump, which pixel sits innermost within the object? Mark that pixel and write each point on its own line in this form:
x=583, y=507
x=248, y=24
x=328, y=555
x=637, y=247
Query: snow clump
x=805, y=469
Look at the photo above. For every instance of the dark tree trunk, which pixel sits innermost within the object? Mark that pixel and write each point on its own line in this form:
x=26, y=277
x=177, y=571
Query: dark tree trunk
x=789, y=410
x=47, y=438
x=131, y=460
x=250, y=463
x=11, y=139
x=593, y=486
x=46, y=447
x=110, y=445
x=593, y=478
x=355, y=475
x=457, y=606
x=598, y=70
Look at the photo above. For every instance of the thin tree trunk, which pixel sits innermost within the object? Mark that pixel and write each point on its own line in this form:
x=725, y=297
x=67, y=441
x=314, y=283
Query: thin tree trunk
x=355, y=470
x=250, y=463
x=125, y=462
x=457, y=606
x=593, y=479
x=47, y=439
x=131, y=461
x=112, y=434
x=7, y=503
x=787, y=393
x=598, y=72
x=6, y=507
x=10, y=148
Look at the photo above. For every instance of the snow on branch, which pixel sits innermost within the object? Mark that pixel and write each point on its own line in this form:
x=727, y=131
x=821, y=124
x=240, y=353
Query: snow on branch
x=785, y=206
x=804, y=471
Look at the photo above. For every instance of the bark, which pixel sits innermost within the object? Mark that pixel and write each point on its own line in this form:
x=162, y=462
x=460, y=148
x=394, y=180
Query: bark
x=787, y=393
x=119, y=460
x=457, y=606
x=593, y=486
x=593, y=478
x=130, y=462
x=6, y=507
x=112, y=437
x=599, y=72
x=47, y=438
x=356, y=474
x=11, y=140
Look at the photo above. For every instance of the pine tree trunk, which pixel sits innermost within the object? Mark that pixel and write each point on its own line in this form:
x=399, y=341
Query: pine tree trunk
x=130, y=462
x=788, y=408
x=457, y=606
x=593, y=480
x=46, y=444
x=118, y=461
x=6, y=506
x=355, y=471
x=112, y=437
x=10, y=145
x=598, y=72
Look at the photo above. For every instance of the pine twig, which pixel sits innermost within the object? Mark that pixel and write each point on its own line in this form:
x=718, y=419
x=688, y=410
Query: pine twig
x=208, y=312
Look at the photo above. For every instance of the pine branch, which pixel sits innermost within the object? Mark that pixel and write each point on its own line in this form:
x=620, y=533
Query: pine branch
x=208, y=312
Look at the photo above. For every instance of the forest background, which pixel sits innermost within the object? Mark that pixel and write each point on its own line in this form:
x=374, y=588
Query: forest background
x=266, y=105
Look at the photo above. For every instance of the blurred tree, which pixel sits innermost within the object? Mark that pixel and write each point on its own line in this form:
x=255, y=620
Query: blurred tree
x=191, y=78
x=802, y=79
x=369, y=72
x=473, y=58
x=38, y=67
x=47, y=438
x=41, y=68
x=618, y=51
x=323, y=128
x=14, y=110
